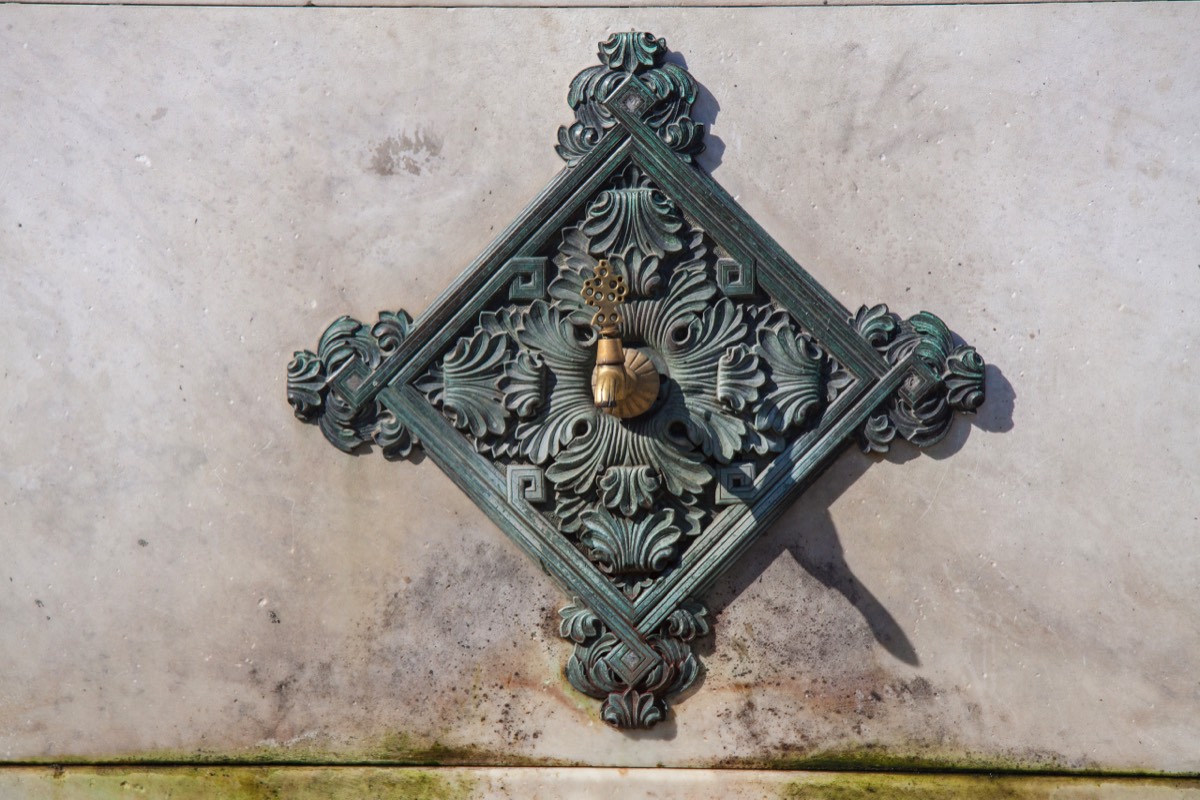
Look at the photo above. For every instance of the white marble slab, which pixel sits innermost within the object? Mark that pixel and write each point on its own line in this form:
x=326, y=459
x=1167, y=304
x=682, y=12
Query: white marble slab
x=190, y=573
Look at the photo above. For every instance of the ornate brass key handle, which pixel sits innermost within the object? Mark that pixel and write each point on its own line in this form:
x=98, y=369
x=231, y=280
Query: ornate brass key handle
x=625, y=381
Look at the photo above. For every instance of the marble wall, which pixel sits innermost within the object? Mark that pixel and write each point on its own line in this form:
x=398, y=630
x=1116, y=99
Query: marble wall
x=190, y=573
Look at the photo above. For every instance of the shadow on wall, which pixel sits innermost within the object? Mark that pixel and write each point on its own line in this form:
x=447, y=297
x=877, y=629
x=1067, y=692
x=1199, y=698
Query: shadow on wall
x=815, y=545
x=704, y=111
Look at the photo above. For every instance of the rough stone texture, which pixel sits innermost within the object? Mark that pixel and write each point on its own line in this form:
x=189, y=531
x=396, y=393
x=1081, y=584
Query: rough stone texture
x=190, y=573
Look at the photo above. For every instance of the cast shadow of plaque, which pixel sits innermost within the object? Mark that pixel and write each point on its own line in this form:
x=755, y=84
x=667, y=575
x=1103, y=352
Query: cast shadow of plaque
x=806, y=531
x=704, y=112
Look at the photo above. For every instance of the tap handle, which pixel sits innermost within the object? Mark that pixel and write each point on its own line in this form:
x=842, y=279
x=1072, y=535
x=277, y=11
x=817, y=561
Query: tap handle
x=605, y=290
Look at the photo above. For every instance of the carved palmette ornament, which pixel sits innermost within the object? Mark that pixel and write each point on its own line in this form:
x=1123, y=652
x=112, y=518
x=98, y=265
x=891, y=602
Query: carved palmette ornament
x=763, y=378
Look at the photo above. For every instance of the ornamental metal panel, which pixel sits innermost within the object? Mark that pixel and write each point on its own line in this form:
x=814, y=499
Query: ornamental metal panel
x=634, y=381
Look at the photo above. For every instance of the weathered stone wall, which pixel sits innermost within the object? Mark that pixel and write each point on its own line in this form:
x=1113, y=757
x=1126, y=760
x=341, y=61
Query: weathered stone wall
x=190, y=573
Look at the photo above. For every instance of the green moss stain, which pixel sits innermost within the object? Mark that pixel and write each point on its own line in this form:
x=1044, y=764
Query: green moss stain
x=981, y=787
x=236, y=783
x=404, y=750
x=875, y=759
x=392, y=750
x=381, y=783
x=883, y=787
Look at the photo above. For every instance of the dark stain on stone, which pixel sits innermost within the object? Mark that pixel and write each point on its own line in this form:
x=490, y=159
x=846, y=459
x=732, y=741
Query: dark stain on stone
x=283, y=689
x=919, y=689
x=477, y=597
x=404, y=153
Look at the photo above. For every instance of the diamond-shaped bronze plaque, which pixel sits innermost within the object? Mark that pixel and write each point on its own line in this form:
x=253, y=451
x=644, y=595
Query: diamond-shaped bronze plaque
x=748, y=377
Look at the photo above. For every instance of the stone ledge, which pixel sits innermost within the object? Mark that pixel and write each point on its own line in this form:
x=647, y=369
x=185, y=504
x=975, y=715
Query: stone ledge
x=376, y=783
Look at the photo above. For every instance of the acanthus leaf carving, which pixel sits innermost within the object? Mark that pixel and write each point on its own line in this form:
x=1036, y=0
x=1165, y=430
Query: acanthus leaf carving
x=314, y=395
x=796, y=367
x=738, y=377
x=578, y=623
x=631, y=51
x=642, y=702
x=589, y=670
x=637, y=224
x=466, y=385
x=878, y=433
x=629, y=488
x=963, y=377
x=694, y=352
x=631, y=709
x=688, y=621
x=622, y=546
x=576, y=140
x=306, y=385
x=390, y=434
x=877, y=325
x=523, y=386
x=640, y=57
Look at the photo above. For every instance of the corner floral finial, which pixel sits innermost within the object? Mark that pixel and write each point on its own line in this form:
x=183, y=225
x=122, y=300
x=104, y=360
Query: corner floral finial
x=630, y=56
x=632, y=51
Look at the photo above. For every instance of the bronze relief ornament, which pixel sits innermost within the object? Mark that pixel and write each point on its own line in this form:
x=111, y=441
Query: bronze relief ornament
x=634, y=381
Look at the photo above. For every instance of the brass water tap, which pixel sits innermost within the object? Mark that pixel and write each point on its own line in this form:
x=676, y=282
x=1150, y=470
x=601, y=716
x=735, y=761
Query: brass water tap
x=625, y=381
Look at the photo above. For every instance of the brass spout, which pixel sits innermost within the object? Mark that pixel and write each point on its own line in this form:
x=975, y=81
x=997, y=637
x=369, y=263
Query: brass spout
x=611, y=377
x=625, y=381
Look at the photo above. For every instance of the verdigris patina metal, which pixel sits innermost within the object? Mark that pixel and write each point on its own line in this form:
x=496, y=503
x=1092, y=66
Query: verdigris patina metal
x=634, y=381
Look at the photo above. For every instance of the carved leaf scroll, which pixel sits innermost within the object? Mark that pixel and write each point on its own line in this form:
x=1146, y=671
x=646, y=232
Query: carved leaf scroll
x=466, y=385
x=640, y=55
x=638, y=224
x=345, y=344
x=642, y=702
x=628, y=489
x=958, y=371
x=626, y=547
x=796, y=389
